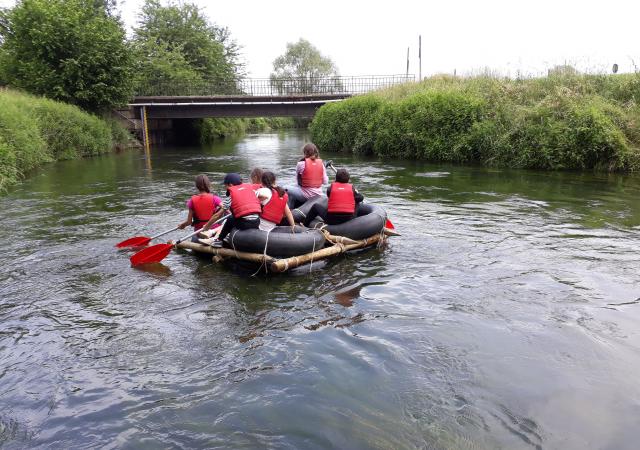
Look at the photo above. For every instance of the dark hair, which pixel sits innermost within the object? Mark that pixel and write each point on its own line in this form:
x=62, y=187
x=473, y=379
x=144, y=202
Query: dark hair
x=256, y=174
x=269, y=181
x=342, y=176
x=203, y=184
x=311, y=151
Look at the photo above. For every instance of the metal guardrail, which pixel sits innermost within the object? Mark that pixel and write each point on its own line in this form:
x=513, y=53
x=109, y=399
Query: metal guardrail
x=276, y=86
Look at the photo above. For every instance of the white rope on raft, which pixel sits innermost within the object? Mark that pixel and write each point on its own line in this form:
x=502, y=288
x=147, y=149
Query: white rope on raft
x=264, y=256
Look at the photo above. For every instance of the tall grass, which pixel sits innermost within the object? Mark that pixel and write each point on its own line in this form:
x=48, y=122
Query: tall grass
x=34, y=131
x=563, y=121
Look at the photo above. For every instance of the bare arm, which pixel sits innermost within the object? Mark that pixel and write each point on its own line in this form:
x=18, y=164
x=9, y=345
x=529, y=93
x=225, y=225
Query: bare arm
x=216, y=215
x=187, y=222
x=287, y=212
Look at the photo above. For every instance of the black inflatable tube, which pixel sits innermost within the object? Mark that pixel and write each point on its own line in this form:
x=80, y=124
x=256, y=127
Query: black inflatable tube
x=300, y=213
x=370, y=220
x=280, y=242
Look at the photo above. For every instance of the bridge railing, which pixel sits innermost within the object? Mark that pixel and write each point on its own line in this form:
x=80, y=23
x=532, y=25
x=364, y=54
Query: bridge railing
x=289, y=86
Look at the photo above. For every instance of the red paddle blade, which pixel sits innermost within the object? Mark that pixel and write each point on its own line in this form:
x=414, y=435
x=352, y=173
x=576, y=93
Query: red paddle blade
x=153, y=254
x=137, y=241
x=389, y=225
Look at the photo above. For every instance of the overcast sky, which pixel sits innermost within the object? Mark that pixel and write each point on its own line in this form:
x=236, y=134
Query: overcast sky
x=371, y=37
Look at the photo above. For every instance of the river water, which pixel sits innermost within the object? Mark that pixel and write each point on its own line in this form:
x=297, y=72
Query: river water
x=506, y=316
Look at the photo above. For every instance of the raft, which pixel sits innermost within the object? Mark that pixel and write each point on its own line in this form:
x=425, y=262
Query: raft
x=279, y=242
x=279, y=249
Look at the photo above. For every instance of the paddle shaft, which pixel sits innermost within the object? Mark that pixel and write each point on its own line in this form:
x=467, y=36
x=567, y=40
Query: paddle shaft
x=163, y=233
x=199, y=229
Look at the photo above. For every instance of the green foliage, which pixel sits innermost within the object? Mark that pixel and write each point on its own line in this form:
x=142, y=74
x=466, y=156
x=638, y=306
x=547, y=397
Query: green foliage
x=22, y=146
x=564, y=121
x=303, y=69
x=177, y=48
x=347, y=126
x=34, y=131
x=213, y=129
x=271, y=123
x=161, y=70
x=69, y=132
x=68, y=50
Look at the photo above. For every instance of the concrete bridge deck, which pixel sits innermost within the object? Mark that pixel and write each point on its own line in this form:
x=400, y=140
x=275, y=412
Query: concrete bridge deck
x=195, y=107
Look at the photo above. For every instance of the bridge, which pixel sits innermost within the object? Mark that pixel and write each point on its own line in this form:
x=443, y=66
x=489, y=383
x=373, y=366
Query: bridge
x=154, y=106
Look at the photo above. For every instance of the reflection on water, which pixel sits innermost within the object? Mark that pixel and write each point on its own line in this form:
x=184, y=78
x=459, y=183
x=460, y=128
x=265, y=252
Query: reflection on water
x=504, y=317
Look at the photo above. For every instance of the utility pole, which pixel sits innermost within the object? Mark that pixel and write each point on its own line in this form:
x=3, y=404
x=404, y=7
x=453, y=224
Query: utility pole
x=407, y=62
x=419, y=57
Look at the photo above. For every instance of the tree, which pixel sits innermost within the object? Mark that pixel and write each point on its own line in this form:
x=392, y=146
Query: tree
x=304, y=70
x=177, y=43
x=68, y=50
x=163, y=71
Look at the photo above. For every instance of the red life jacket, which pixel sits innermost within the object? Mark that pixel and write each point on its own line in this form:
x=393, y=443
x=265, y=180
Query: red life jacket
x=244, y=201
x=273, y=211
x=313, y=173
x=203, y=209
x=341, y=199
x=255, y=186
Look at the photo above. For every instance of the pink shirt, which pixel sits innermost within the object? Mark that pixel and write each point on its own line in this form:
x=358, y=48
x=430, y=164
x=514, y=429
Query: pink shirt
x=309, y=192
x=217, y=201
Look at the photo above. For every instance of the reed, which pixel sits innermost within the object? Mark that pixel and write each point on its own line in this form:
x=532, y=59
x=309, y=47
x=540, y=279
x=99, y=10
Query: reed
x=563, y=121
x=35, y=131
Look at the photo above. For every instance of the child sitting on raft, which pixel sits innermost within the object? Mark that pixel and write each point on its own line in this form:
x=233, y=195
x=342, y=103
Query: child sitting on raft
x=342, y=204
x=273, y=199
x=311, y=175
x=201, y=206
x=256, y=178
x=244, y=206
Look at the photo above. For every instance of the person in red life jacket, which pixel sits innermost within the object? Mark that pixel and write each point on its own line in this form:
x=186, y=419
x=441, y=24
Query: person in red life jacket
x=273, y=199
x=201, y=206
x=311, y=175
x=256, y=178
x=244, y=206
x=342, y=204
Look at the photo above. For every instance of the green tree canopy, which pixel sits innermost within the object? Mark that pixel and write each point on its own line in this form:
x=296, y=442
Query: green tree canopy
x=68, y=50
x=176, y=47
x=303, y=69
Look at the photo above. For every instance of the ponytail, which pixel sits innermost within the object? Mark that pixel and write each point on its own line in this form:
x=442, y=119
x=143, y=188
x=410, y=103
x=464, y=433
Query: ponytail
x=203, y=184
x=269, y=181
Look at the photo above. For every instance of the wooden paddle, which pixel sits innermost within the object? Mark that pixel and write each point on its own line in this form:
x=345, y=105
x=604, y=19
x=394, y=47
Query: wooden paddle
x=388, y=223
x=158, y=252
x=140, y=241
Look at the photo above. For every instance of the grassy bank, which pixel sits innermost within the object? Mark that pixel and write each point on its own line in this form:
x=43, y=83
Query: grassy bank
x=564, y=121
x=34, y=131
x=214, y=129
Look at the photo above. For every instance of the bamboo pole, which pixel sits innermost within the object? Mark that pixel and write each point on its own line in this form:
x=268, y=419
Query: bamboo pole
x=337, y=239
x=226, y=252
x=282, y=265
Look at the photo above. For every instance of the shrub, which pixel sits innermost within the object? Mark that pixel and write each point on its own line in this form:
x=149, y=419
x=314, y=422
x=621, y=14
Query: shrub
x=564, y=121
x=34, y=131
x=347, y=125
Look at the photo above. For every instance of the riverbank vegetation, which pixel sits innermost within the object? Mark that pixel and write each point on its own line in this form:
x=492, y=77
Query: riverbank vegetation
x=563, y=121
x=36, y=130
x=210, y=130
